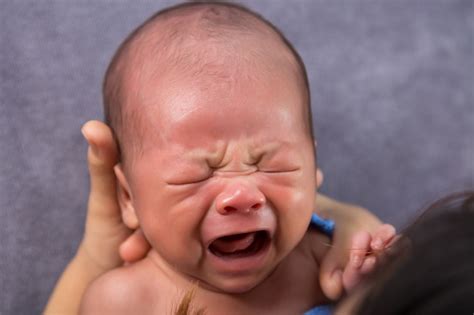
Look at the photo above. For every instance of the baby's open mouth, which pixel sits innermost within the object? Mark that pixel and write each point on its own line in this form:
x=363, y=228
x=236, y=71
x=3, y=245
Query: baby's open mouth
x=240, y=245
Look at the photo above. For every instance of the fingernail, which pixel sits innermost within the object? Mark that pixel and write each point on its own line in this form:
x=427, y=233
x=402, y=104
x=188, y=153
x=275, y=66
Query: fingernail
x=93, y=146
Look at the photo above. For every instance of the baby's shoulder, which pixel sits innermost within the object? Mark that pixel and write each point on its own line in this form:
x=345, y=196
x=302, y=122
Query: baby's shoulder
x=122, y=290
x=303, y=262
x=316, y=243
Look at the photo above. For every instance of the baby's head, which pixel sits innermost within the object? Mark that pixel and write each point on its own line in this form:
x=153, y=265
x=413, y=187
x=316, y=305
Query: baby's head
x=210, y=107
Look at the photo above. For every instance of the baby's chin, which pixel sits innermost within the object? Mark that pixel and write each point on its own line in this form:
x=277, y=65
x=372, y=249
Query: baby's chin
x=234, y=285
x=238, y=283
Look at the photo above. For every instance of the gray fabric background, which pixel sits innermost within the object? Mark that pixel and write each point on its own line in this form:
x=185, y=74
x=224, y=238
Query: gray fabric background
x=392, y=85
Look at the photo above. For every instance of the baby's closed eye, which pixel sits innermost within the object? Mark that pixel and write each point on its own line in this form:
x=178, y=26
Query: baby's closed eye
x=187, y=181
x=194, y=180
x=199, y=175
x=277, y=166
x=278, y=170
x=190, y=178
x=278, y=163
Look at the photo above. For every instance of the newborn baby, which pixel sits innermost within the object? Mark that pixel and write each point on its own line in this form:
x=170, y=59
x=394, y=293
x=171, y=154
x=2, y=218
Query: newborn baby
x=211, y=109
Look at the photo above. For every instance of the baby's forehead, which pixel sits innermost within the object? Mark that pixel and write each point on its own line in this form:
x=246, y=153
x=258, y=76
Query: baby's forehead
x=204, y=40
x=214, y=76
x=210, y=46
x=187, y=111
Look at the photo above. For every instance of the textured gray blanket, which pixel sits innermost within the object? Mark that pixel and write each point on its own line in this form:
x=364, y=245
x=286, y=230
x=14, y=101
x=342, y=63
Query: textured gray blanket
x=392, y=85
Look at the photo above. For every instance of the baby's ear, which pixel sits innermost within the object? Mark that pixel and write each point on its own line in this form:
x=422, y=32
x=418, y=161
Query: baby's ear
x=124, y=196
x=319, y=173
x=319, y=178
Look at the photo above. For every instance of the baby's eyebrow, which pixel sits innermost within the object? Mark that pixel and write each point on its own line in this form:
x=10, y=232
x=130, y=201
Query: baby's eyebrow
x=211, y=157
x=215, y=157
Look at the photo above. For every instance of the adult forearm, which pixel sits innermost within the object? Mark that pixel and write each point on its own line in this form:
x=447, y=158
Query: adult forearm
x=67, y=294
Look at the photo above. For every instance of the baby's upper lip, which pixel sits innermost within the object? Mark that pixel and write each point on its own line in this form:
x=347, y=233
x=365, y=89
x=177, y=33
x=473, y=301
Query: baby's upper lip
x=237, y=223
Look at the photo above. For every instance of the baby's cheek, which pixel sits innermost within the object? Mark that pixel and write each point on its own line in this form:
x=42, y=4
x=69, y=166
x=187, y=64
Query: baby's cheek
x=170, y=220
x=174, y=241
x=292, y=199
x=288, y=191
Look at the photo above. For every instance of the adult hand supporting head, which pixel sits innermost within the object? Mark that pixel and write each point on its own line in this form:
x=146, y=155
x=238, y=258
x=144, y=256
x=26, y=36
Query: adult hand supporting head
x=104, y=232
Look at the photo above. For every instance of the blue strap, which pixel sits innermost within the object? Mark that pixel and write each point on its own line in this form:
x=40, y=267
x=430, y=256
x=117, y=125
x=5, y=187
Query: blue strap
x=325, y=225
x=320, y=310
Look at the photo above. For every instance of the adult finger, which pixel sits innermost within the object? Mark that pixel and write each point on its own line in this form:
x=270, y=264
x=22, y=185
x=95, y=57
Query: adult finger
x=135, y=247
x=102, y=156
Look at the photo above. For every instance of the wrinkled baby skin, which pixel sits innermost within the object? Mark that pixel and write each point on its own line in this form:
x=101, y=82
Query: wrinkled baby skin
x=224, y=186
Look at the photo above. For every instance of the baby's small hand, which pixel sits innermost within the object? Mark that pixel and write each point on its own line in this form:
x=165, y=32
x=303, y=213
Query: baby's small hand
x=363, y=254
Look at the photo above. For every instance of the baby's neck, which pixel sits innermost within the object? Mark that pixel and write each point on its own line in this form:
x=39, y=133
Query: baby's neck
x=289, y=289
x=186, y=283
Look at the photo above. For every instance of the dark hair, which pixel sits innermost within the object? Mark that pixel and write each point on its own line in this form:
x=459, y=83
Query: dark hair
x=431, y=268
x=219, y=19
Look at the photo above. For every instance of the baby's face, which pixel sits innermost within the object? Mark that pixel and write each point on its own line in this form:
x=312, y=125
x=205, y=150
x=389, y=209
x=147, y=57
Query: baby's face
x=225, y=186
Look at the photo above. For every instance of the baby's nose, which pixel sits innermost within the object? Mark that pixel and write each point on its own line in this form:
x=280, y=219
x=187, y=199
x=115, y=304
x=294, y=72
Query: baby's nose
x=239, y=198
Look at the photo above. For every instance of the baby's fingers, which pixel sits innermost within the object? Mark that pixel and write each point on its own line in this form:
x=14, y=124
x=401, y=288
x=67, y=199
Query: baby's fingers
x=382, y=237
x=357, y=265
x=359, y=248
x=368, y=265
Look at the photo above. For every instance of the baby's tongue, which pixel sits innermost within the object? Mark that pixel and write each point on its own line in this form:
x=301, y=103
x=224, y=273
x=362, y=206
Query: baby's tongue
x=233, y=243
